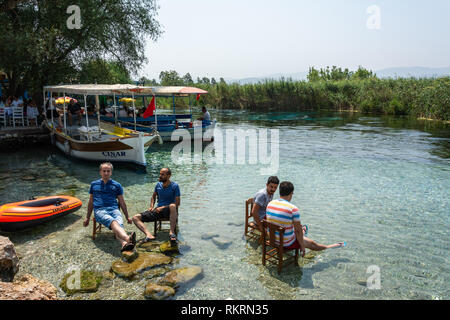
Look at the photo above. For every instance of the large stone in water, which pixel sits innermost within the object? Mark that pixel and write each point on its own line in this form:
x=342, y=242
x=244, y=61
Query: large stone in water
x=9, y=261
x=27, y=288
x=167, y=248
x=129, y=256
x=81, y=281
x=144, y=261
x=149, y=246
x=157, y=292
x=181, y=276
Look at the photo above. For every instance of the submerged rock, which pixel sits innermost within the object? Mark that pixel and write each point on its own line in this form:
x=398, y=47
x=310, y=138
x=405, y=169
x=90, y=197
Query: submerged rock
x=144, y=261
x=71, y=186
x=9, y=261
x=129, y=256
x=221, y=243
x=81, y=281
x=209, y=235
x=149, y=246
x=157, y=292
x=4, y=176
x=167, y=248
x=155, y=272
x=181, y=276
x=28, y=178
x=28, y=288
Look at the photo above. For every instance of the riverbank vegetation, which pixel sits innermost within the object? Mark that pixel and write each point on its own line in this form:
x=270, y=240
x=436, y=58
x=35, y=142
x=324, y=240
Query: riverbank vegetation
x=328, y=89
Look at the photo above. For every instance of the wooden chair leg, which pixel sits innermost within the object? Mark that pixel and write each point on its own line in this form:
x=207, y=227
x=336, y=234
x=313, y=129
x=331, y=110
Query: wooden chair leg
x=280, y=259
x=94, y=225
x=96, y=229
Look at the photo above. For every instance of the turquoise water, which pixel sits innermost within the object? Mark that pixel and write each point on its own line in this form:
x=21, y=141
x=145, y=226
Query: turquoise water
x=379, y=183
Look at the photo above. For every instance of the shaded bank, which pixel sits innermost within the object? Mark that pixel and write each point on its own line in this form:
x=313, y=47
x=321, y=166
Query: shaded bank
x=426, y=98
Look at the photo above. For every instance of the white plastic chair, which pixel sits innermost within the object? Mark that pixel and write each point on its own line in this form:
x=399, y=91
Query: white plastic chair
x=17, y=116
x=3, y=117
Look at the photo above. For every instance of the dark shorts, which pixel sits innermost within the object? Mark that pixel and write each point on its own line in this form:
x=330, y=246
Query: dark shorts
x=151, y=216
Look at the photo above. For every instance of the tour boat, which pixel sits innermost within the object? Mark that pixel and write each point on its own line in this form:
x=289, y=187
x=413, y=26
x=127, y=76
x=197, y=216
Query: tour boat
x=166, y=124
x=95, y=139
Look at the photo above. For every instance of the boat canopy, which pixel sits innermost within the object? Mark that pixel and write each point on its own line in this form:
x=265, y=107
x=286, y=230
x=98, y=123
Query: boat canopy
x=125, y=89
x=178, y=91
x=101, y=89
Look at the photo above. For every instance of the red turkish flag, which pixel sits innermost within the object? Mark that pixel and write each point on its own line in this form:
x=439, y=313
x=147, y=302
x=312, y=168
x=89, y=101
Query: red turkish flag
x=150, y=108
x=198, y=96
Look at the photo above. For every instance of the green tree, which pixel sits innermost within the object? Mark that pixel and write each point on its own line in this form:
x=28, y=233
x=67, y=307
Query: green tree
x=363, y=73
x=38, y=48
x=313, y=75
x=101, y=71
x=187, y=79
x=170, y=78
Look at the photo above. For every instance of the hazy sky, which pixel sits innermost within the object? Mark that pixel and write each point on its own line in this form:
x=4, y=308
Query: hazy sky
x=247, y=38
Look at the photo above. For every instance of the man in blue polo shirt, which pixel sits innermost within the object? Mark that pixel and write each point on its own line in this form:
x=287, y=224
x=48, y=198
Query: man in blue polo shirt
x=106, y=195
x=168, y=194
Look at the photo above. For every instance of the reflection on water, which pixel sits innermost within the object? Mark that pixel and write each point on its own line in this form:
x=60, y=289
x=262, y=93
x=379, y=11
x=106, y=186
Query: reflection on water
x=380, y=183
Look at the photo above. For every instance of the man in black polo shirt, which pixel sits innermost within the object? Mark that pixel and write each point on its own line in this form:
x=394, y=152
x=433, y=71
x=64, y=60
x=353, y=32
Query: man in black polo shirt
x=74, y=109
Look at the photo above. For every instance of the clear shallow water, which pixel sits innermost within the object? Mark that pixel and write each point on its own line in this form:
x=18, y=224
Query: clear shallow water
x=380, y=183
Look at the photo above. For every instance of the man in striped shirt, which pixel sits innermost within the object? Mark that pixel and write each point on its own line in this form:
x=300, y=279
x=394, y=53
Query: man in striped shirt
x=283, y=213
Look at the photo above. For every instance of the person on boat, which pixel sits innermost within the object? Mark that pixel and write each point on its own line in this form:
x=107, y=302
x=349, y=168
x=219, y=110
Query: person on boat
x=51, y=108
x=74, y=109
x=123, y=112
x=261, y=199
x=283, y=213
x=206, y=115
x=168, y=193
x=106, y=197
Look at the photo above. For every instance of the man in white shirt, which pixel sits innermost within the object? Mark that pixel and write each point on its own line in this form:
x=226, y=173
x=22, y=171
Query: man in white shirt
x=206, y=115
x=15, y=103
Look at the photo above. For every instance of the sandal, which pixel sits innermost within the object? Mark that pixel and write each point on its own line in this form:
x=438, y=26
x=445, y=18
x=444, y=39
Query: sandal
x=173, y=240
x=146, y=239
x=127, y=247
x=305, y=227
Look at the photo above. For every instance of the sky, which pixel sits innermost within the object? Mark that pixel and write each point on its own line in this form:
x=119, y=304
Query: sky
x=236, y=39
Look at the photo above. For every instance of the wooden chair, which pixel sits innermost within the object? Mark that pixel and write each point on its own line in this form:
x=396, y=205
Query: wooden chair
x=158, y=225
x=250, y=231
x=275, y=255
x=95, y=228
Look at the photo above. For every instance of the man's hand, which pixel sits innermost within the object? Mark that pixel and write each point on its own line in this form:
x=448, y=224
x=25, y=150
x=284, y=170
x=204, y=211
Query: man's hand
x=302, y=248
x=129, y=220
x=86, y=222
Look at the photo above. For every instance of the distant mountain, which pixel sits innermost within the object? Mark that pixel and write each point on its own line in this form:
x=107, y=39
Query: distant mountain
x=402, y=72
x=416, y=72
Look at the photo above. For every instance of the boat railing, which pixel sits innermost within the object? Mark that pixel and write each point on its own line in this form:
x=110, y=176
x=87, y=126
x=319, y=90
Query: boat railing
x=153, y=129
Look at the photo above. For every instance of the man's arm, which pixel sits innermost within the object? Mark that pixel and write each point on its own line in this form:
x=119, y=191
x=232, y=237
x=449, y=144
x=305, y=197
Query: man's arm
x=177, y=201
x=255, y=214
x=298, y=229
x=152, y=201
x=89, y=210
x=123, y=206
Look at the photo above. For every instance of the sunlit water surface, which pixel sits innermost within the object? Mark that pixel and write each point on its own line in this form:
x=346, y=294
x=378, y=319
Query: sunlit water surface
x=379, y=183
